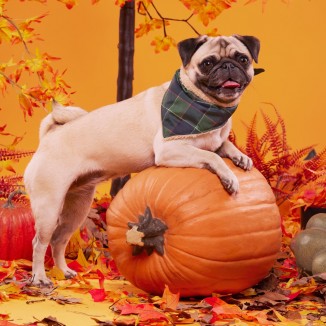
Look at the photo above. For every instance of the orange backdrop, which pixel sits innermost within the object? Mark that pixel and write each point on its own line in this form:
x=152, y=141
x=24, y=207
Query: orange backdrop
x=293, y=47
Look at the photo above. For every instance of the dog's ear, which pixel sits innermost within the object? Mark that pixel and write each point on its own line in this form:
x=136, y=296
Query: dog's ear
x=188, y=47
x=258, y=71
x=252, y=43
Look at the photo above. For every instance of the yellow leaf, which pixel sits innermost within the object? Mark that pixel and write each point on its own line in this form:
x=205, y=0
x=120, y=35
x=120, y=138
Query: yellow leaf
x=212, y=32
x=2, y=4
x=81, y=259
x=25, y=105
x=35, y=64
x=75, y=243
x=3, y=296
x=57, y=273
x=6, y=165
x=5, y=31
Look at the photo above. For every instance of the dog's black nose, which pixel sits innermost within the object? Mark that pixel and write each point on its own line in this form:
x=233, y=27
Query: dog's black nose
x=228, y=65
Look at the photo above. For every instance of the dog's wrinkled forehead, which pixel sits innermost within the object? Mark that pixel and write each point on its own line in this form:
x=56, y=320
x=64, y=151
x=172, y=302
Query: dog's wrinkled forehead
x=193, y=50
x=221, y=47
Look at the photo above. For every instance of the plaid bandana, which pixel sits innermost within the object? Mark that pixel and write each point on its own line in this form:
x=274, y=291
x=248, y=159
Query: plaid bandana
x=183, y=113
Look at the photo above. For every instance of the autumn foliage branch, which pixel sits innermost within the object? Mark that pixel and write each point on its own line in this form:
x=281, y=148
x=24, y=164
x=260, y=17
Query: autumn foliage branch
x=49, y=83
x=206, y=11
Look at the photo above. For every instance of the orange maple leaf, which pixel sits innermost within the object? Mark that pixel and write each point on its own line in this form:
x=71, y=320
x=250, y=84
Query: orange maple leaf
x=163, y=43
x=207, y=10
x=169, y=300
x=25, y=104
x=148, y=26
x=145, y=311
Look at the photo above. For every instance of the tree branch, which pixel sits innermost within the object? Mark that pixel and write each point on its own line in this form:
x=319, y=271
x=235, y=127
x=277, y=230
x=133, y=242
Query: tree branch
x=165, y=19
x=13, y=24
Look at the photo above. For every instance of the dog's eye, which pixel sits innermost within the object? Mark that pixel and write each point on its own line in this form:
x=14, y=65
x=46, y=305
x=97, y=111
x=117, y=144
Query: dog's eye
x=207, y=63
x=243, y=59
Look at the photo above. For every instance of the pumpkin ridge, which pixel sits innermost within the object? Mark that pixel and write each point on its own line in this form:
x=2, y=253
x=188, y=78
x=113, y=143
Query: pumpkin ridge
x=181, y=267
x=165, y=269
x=168, y=264
x=205, y=218
x=216, y=277
x=149, y=273
x=166, y=185
x=224, y=276
x=240, y=204
x=226, y=236
x=192, y=254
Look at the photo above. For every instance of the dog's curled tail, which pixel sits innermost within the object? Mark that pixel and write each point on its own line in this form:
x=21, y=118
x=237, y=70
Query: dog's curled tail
x=59, y=116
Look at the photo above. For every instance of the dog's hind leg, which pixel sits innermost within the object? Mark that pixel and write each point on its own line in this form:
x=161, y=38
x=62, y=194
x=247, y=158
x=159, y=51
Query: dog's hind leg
x=47, y=197
x=75, y=209
x=46, y=209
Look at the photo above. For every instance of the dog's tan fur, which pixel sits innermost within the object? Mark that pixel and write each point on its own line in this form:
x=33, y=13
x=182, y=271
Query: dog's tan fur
x=78, y=150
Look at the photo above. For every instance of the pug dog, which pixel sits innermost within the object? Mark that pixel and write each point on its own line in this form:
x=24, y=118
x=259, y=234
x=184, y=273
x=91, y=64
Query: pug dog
x=182, y=123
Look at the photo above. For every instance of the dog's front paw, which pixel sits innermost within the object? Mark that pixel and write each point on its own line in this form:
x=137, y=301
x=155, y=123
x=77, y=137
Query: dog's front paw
x=230, y=183
x=243, y=161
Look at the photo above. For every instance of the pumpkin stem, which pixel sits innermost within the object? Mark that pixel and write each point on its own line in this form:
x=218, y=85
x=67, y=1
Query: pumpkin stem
x=9, y=203
x=147, y=234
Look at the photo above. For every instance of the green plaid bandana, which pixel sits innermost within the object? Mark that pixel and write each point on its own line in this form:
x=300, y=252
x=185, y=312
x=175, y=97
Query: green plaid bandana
x=183, y=113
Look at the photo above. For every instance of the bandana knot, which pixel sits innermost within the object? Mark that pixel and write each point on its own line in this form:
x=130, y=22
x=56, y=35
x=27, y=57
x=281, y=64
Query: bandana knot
x=183, y=113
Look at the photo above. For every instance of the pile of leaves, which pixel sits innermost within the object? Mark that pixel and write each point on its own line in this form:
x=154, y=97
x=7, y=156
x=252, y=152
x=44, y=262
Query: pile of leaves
x=282, y=298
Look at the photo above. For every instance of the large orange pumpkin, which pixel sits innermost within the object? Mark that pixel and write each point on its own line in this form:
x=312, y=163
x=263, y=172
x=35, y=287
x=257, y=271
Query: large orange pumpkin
x=184, y=230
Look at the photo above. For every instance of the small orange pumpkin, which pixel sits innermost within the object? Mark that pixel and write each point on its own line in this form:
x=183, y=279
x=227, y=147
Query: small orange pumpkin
x=179, y=227
x=16, y=229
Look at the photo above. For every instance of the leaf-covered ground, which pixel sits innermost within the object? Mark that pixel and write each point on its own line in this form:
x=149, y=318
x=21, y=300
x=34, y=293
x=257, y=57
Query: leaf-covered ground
x=99, y=295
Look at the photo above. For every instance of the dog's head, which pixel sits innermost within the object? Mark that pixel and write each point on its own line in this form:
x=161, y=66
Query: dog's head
x=220, y=67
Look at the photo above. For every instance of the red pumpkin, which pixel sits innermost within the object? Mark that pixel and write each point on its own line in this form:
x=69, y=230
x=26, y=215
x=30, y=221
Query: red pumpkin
x=194, y=237
x=16, y=230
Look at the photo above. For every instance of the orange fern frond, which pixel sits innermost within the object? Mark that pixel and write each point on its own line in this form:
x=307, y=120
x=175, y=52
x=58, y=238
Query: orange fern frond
x=10, y=154
x=251, y=134
x=317, y=162
x=294, y=159
x=295, y=175
x=233, y=138
x=281, y=122
x=275, y=138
